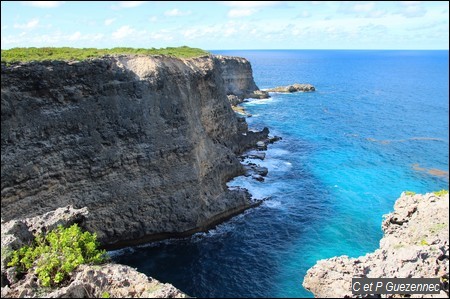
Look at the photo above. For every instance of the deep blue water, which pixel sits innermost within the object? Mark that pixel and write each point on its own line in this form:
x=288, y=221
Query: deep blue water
x=376, y=126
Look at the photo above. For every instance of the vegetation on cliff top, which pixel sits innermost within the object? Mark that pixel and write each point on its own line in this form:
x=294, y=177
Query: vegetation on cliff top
x=441, y=192
x=67, y=53
x=55, y=255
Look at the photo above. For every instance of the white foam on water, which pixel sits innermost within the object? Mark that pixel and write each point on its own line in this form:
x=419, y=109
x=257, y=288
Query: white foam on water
x=276, y=152
x=273, y=204
x=252, y=102
x=221, y=229
x=122, y=251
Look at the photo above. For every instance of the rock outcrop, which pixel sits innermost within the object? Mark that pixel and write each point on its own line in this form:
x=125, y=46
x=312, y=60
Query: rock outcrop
x=107, y=280
x=415, y=244
x=238, y=76
x=292, y=88
x=86, y=281
x=147, y=143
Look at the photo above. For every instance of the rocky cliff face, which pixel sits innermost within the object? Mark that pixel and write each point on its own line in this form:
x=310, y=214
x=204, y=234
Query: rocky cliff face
x=415, y=244
x=146, y=143
x=237, y=75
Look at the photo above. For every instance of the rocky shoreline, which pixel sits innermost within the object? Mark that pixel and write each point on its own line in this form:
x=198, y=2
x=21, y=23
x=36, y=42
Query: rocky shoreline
x=415, y=244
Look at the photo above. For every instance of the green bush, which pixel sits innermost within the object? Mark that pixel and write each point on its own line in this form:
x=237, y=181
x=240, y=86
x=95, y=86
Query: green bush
x=58, y=253
x=410, y=193
x=67, y=53
x=441, y=192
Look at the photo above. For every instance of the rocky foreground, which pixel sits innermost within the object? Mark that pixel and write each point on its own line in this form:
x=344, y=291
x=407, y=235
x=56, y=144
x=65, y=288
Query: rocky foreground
x=111, y=280
x=415, y=244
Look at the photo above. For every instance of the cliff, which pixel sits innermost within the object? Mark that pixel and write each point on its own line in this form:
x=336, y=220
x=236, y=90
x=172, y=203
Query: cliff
x=415, y=244
x=147, y=143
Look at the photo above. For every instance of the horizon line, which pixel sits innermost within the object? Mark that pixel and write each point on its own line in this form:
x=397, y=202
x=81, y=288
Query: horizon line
x=236, y=49
x=327, y=49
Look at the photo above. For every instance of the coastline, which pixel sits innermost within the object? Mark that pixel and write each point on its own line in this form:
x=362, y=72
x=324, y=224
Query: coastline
x=415, y=244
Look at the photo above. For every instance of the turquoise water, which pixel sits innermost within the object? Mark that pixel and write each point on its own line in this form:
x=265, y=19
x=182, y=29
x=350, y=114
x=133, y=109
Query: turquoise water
x=377, y=125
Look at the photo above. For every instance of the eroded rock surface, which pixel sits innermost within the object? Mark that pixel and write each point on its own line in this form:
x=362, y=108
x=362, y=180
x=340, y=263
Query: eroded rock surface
x=147, y=143
x=415, y=244
x=86, y=281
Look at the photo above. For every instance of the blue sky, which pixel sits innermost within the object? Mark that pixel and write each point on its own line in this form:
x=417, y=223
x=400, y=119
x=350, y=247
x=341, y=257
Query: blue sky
x=227, y=24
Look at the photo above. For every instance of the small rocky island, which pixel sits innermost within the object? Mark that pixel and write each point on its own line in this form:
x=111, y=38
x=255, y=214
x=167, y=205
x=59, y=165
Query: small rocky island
x=415, y=244
x=292, y=88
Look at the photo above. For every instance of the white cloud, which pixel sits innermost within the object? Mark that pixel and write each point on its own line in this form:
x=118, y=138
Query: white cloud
x=130, y=4
x=377, y=13
x=75, y=36
x=153, y=19
x=366, y=7
x=414, y=11
x=221, y=32
x=229, y=31
x=29, y=25
x=43, y=4
x=410, y=2
x=55, y=39
x=237, y=13
x=109, y=21
x=162, y=35
x=304, y=14
x=247, y=8
x=251, y=4
x=127, y=4
x=176, y=13
x=122, y=32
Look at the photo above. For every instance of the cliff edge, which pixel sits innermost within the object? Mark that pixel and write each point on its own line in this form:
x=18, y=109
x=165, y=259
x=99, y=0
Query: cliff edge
x=147, y=143
x=415, y=244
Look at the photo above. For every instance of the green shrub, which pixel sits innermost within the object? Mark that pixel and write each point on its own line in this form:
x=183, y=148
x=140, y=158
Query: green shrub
x=58, y=253
x=424, y=242
x=410, y=193
x=67, y=53
x=441, y=192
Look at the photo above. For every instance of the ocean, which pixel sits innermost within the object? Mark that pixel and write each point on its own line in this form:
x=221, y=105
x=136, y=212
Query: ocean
x=377, y=125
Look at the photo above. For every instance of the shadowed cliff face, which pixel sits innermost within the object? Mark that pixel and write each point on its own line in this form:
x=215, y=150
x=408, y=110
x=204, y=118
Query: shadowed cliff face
x=146, y=143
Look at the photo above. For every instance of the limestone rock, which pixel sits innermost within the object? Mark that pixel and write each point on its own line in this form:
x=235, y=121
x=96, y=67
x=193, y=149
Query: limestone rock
x=292, y=88
x=147, y=143
x=118, y=281
x=261, y=145
x=113, y=280
x=258, y=94
x=415, y=244
x=234, y=100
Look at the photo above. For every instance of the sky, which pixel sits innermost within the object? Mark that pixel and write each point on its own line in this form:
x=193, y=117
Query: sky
x=223, y=25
